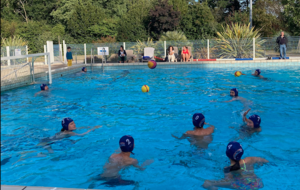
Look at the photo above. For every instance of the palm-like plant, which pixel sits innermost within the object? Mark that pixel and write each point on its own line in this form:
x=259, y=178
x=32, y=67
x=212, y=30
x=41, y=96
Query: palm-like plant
x=236, y=41
x=13, y=41
x=173, y=36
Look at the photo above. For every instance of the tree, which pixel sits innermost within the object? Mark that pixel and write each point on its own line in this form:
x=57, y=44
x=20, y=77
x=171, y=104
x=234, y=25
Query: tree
x=163, y=18
x=199, y=23
x=237, y=17
x=85, y=18
x=267, y=15
x=133, y=25
x=292, y=16
x=64, y=10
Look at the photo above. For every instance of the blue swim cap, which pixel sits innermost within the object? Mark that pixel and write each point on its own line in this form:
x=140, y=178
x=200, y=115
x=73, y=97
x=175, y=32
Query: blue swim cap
x=234, y=151
x=198, y=120
x=258, y=71
x=256, y=120
x=126, y=143
x=43, y=86
x=235, y=91
x=83, y=68
x=65, y=123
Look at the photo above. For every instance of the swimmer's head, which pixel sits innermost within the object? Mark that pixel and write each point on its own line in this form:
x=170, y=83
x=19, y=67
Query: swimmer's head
x=126, y=143
x=257, y=72
x=234, y=92
x=198, y=120
x=84, y=69
x=44, y=87
x=254, y=121
x=68, y=124
x=234, y=151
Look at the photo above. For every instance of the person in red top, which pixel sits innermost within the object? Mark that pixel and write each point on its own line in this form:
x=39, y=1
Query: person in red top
x=185, y=54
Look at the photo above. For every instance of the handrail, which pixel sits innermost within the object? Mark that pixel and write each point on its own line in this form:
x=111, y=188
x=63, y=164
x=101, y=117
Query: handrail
x=24, y=56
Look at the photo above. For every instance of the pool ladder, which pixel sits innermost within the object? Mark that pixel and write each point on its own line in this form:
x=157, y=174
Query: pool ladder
x=93, y=60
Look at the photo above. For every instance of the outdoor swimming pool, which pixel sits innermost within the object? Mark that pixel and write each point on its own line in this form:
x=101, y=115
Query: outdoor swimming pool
x=114, y=100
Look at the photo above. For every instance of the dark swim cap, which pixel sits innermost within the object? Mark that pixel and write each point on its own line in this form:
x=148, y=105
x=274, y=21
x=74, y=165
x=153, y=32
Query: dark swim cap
x=83, y=68
x=198, y=120
x=258, y=71
x=256, y=120
x=43, y=86
x=126, y=143
x=234, y=151
x=235, y=91
x=65, y=123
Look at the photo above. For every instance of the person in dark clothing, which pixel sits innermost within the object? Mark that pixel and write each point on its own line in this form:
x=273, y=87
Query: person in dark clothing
x=122, y=55
x=282, y=42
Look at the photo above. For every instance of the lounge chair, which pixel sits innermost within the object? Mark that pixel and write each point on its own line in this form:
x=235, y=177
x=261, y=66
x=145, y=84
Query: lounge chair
x=176, y=53
x=148, y=52
x=130, y=55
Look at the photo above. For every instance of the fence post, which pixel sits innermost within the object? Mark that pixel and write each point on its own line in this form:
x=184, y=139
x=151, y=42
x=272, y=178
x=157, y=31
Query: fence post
x=8, y=55
x=45, y=51
x=84, y=53
x=60, y=53
x=253, y=48
x=124, y=45
x=50, y=50
x=207, y=48
x=49, y=69
x=65, y=51
x=27, y=53
x=165, y=48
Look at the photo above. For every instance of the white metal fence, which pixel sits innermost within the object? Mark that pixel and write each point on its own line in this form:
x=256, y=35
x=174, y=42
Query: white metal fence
x=200, y=49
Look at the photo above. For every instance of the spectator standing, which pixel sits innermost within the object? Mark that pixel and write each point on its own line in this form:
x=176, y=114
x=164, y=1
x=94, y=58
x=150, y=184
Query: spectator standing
x=69, y=57
x=282, y=42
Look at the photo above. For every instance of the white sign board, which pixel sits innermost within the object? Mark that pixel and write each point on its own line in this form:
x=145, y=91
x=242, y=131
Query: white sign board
x=17, y=52
x=103, y=50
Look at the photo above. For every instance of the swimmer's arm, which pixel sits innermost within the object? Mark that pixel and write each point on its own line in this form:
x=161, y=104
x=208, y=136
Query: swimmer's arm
x=245, y=114
x=233, y=99
x=82, y=134
x=243, y=73
x=254, y=160
x=38, y=93
x=185, y=135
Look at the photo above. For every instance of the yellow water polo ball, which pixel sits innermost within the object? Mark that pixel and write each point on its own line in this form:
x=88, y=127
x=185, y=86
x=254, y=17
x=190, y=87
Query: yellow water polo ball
x=238, y=73
x=145, y=88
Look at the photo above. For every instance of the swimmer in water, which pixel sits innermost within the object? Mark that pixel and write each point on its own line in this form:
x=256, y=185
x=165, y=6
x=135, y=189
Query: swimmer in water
x=240, y=174
x=257, y=73
x=199, y=136
x=44, y=88
x=120, y=161
x=84, y=69
x=235, y=94
x=253, y=122
x=68, y=126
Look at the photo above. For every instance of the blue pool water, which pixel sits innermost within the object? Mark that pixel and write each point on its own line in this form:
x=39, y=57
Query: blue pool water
x=114, y=100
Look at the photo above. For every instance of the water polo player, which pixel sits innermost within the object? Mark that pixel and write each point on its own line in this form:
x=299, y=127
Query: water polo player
x=240, y=174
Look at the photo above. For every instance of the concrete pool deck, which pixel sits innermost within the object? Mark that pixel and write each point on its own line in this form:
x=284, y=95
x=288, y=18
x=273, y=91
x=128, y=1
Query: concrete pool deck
x=14, y=187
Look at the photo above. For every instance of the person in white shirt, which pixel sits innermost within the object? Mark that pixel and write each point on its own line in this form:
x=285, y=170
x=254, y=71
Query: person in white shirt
x=171, y=55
